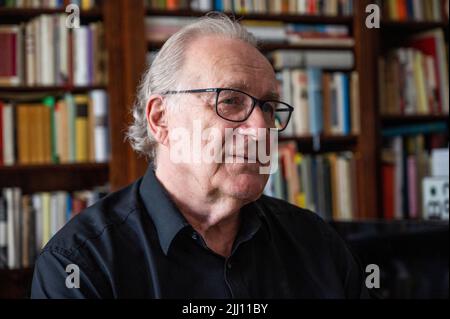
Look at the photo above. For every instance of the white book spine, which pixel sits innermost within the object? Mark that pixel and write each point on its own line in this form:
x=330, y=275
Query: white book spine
x=47, y=52
x=63, y=49
x=53, y=214
x=417, y=9
x=300, y=102
x=100, y=105
x=30, y=52
x=8, y=135
x=340, y=102
x=11, y=238
x=81, y=56
x=37, y=204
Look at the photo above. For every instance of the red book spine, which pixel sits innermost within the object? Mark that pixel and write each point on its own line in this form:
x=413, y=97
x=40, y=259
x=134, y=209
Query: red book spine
x=402, y=10
x=312, y=7
x=1, y=133
x=388, y=174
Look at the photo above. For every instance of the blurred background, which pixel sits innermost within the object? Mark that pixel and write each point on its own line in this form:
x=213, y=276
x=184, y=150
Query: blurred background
x=366, y=148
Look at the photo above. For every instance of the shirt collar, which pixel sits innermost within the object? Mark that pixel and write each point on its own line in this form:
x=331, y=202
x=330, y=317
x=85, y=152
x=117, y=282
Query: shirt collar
x=162, y=210
x=169, y=221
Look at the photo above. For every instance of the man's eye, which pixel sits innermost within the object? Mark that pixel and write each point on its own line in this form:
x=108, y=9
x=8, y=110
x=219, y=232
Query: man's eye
x=231, y=101
x=269, y=108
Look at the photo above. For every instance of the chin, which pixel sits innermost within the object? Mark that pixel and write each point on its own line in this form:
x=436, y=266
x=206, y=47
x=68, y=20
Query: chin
x=246, y=186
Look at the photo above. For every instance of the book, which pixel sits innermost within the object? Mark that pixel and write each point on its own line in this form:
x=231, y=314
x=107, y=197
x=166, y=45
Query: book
x=3, y=232
x=406, y=162
x=414, y=78
x=43, y=52
x=324, y=59
x=324, y=102
x=59, y=126
x=27, y=221
x=304, y=7
x=10, y=63
x=323, y=183
x=415, y=10
x=81, y=128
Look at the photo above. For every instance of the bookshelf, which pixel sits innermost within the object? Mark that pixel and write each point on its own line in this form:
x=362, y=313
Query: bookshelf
x=398, y=36
x=4, y=90
x=13, y=15
x=328, y=143
x=70, y=177
x=391, y=120
x=127, y=47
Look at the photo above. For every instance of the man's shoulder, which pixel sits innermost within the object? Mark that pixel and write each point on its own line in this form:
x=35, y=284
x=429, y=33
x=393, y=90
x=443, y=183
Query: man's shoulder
x=292, y=217
x=107, y=214
x=283, y=209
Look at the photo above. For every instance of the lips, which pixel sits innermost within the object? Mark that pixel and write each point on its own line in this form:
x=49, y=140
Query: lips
x=246, y=158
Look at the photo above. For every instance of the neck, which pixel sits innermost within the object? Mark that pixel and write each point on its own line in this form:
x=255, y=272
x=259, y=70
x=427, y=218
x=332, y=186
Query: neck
x=214, y=216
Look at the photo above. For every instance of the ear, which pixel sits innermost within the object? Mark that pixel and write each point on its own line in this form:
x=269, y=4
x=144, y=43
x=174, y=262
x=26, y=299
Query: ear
x=157, y=119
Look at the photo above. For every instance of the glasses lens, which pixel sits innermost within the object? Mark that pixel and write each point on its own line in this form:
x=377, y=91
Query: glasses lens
x=236, y=106
x=233, y=106
x=281, y=115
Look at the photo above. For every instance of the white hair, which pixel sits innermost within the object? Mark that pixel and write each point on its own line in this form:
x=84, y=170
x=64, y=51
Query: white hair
x=164, y=72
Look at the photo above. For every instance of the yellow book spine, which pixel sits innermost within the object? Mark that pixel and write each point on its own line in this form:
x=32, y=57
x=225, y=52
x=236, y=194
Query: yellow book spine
x=22, y=134
x=45, y=218
x=86, y=4
x=419, y=77
x=393, y=13
x=81, y=139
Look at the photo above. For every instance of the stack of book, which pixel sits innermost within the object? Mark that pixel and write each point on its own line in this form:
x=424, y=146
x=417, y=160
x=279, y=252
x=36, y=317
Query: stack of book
x=195, y=5
x=406, y=161
x=325, y=183
x=300, y=7
x=414, y=10
x=44, y=52
x=68, y=129
x=294, y=7
x=320, y=35
x=414, y=78
x=50, y=4
x=159, y=29
x=27, y=222
x=324, y=102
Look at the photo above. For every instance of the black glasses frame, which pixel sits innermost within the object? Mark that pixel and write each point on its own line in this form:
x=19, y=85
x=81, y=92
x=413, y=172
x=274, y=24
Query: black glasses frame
x=255, y=101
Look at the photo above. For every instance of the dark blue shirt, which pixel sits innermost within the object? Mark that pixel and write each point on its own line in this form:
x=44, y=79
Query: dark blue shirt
x=135, y=243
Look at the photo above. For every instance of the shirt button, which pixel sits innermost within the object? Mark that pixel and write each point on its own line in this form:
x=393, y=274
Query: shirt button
x=194, y=236
x=229, y=265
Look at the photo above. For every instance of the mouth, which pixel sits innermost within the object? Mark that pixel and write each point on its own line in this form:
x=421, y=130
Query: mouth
x=246, y=159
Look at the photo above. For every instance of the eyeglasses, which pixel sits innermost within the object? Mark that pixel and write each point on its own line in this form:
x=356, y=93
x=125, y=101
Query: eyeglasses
x=237, y=106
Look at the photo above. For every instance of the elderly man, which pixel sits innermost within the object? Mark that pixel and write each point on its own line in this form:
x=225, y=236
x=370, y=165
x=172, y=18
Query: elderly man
x=200, y=229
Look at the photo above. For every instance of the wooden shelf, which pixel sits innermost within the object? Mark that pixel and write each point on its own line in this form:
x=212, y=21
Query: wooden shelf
x=380, y=231
x=287, y=46
x=15, y=283
x=267, y=47
x=389, y=26
x=329, y=143
x=11, y=15
x=392, y=120
x=53, y=177
x=289, y=18
x=50, y=89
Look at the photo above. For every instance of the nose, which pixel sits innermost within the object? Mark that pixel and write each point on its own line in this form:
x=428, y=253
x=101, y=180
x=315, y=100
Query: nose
x=256, y=119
